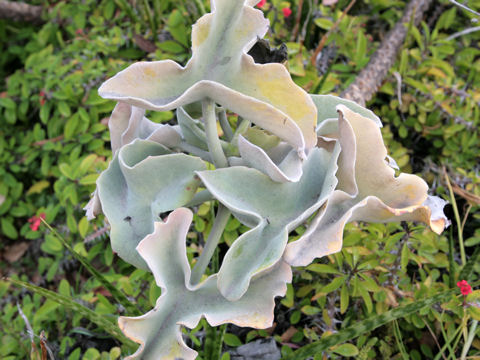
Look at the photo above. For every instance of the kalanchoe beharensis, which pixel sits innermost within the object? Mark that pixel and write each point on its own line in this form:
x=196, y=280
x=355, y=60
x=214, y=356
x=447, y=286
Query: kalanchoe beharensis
x=272, y=177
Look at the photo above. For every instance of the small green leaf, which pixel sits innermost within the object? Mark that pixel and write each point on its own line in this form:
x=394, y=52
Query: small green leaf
x=66, y=170
x=346, y=350
x=366, y=296
x=8, y=229
x=89, y=179
x=361, y=49
x=323, y=269
x=83, y=227
x=310, y=310
x=334, y=285
x=70, y=127
x=38, y=187
x=231, y=340
x=344, y=299
x=323, y=23
x=8, y=103
x=64, y=109
x=404, y=258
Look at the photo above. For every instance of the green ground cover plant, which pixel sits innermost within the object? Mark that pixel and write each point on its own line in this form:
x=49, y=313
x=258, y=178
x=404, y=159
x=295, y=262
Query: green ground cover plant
x=391, y=290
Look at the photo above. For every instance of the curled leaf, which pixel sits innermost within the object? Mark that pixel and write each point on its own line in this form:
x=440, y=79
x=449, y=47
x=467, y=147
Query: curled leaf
x=221, y=70
x=142, y=181
x=158, y=331
x=271, y=208
x=281, y=163
x=368, y=191
x=128, y=123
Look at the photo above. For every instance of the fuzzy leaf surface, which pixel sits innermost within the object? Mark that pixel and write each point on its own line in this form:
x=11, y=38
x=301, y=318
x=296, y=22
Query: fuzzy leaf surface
x=368, y=190
x=142, y=181
x=159, y=331
x=221, y=70
x=271, y=208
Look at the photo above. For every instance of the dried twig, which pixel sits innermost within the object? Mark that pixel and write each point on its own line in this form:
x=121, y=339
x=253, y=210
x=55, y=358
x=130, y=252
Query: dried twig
x=463, y=32
x=371, y=77
x=324, y=38
x=464, y=7
x=296, y=28
x=18, y=11
x=95, y=235
x=43, y=142
x=45, y=348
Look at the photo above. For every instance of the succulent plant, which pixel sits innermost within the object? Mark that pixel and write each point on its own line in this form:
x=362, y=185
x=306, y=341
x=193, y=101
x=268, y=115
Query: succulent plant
x=310, y=159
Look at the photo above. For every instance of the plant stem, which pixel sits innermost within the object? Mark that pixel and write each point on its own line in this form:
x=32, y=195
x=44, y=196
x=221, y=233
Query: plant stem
x=457, y=218
x=213, y=142
x=219, y=224
x=242, y=126
x=200, y=7
x=202, y=154
x=468, y=343
x=200, y=197
x=227, y=130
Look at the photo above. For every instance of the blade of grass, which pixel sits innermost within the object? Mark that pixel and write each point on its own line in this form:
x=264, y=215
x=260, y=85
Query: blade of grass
x=369, y=324
x=148, y=13
x=99, y=320
x=457, y=333
x=399, y=340
x=457, y=218
x=120, y=297
x=200, y=7
x=468, y=343
x=434, y=336
x=451, y=260
x=125, y=6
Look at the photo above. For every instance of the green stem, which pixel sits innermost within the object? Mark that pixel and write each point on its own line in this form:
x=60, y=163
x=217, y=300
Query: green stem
x=148, y=12
x=219, y=342
x=468, y=343
x=219, y=224
x=213, y=142
x=227, y=130
x=119, y=296
x=243, y=125
x=458, y=333
x=200, y=7
x=457, y=219
x=202, y=154
x=200, y=197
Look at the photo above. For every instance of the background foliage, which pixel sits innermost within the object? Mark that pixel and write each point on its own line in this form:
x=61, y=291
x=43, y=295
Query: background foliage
x=54, y=143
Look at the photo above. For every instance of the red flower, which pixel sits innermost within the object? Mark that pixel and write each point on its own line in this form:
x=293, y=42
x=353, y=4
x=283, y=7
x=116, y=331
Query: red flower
x=35, y=221
x=465, y=287
x=261, y=3
x=286, y=12
x=41, y=95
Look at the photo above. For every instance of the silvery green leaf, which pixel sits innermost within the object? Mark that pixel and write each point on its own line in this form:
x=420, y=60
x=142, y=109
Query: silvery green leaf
x=128, y=123
x=158, y=331
x=375, y=195
x=143, y=180
x=193, y=131
x=93, y=207
x=288, y=165
x=271, y=208
x=220, y=69
x=327, y=108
